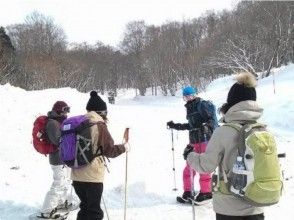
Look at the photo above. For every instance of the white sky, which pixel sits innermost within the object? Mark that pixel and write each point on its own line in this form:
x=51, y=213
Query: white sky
x=105, y=20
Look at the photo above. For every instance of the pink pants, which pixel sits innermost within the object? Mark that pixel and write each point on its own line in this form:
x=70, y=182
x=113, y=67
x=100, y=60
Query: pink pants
x=205, y=178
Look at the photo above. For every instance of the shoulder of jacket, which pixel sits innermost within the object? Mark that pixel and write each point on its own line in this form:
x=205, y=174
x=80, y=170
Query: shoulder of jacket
x=235, y=126
x=52, y=121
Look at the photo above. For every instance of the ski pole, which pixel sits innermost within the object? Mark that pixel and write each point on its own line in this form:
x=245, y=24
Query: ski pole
x=192, y=192
x=173, y=153
x=126, y=140
x=105, y=208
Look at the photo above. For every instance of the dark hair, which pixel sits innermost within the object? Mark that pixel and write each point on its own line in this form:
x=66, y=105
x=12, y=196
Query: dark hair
x=223, y=109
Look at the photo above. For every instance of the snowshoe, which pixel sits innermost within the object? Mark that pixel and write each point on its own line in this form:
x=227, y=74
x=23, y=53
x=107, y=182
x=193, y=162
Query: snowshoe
x=57, y=214
x=187, y=197
x=203, y=198
x=66, y=206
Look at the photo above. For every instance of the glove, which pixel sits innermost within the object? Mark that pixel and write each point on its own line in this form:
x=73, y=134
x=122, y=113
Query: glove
x=187, y=150
x=127, y=148
x=173, y=125
x=170, y=124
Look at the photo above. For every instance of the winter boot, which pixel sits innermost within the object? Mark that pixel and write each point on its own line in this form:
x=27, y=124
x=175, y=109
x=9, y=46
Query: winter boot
x=65, y=205
x=203, y=198
x=49, y=215
x=187, y=197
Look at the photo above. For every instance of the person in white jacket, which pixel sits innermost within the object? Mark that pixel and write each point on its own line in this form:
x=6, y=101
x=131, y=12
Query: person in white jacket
x=221, y=151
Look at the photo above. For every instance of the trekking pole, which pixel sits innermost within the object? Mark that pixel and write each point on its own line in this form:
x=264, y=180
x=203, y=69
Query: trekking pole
x=126, y=140
x=105, y=207
x=173, y=152
x=274, y=83
x=192, y=192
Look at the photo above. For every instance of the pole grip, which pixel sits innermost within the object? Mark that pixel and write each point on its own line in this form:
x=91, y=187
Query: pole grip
x=126, y=135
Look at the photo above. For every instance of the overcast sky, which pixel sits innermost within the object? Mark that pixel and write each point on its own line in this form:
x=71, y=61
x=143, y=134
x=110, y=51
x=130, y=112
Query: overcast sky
x=105, y=20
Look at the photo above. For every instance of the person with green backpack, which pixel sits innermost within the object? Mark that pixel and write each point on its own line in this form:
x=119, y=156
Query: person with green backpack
x=244, y=153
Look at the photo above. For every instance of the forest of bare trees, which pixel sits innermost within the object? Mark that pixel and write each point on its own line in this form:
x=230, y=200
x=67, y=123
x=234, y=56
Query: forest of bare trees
x=255, y=36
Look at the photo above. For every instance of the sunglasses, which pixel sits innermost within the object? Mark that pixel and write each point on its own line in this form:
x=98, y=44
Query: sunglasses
x=65, y=109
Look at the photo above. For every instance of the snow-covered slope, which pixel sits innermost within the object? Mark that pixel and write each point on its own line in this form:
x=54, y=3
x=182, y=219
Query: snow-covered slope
x=26, y=175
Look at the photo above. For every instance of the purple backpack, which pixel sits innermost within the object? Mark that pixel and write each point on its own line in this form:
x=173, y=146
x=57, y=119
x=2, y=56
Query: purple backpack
x=75, y=142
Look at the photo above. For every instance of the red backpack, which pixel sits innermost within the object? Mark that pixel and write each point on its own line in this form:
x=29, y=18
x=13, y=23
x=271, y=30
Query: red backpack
x=40, y=139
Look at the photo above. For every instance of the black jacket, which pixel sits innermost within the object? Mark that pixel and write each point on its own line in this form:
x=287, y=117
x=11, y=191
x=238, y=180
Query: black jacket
x=198, y=133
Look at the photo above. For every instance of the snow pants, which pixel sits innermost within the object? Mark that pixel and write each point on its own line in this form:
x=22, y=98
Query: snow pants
x=90, y=195
x=248, y=217
x=60, y=190
x=204, y=178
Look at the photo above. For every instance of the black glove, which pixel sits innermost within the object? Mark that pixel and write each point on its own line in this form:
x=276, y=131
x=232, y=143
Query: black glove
x=170, y=124
x=173, y=125
x=187, y=150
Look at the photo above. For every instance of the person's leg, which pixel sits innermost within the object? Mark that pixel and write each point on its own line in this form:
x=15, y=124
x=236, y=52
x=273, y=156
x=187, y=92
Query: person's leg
x=187, y=184
x=205, y=183
x=94, y=194
x=69, y=193
x=56, y=193
x=205, y=178
x=227, y=217
x=81, y=191
x=248, y=217
x=255, y=217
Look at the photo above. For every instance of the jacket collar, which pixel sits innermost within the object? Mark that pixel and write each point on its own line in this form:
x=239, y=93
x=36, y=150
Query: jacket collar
x=243, y=111
x=94, y=117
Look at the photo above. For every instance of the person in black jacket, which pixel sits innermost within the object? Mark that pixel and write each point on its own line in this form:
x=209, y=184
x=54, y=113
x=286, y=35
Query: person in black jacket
x=200, y=130
x=59, y=194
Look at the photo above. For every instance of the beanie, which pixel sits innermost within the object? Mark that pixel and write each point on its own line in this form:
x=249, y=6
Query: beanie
x=95, y=103
x=189, y=90
x=242, y=90
x=60, y=107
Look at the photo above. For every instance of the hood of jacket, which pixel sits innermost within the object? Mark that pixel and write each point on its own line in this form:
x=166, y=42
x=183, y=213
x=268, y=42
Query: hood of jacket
x=94, y=117
x=55, y=116
x=243, y=112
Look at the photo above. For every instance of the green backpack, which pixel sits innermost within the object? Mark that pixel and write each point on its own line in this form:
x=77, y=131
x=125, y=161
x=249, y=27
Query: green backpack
x=256, y=176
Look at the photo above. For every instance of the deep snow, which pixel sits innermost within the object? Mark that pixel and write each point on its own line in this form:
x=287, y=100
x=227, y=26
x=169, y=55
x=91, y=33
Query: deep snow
x=26, y=175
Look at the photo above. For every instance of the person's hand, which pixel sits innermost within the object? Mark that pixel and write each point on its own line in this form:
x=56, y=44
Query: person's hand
x=187, y=150
x=127, y=147
x=170, y=124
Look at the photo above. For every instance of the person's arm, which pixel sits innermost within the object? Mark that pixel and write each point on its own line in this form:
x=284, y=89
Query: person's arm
x=208, y=161
x=178, y=126
x=109, y=149
x=53, y=132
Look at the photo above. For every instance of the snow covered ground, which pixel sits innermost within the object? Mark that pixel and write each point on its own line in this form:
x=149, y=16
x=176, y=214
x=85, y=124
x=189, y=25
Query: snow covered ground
x=26, y=175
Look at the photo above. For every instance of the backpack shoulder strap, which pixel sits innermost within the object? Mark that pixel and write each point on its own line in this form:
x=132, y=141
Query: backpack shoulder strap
x=199, y=107
x=244, y=131
x=202, y=108
x=99, y=151
x=241, y=141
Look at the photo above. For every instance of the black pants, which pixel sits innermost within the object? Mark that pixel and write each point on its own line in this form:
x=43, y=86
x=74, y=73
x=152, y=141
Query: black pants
x=90, y=196
x=248, y=217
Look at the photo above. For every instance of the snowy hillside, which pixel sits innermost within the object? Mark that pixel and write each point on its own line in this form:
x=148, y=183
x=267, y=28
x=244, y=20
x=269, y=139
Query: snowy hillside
x=26, y=175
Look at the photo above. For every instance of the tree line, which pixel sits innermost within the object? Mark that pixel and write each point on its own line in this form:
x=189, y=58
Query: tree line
x=255, y=36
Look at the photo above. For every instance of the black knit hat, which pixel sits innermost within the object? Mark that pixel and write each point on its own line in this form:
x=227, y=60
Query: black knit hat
x=242, y=90
x=95, y=103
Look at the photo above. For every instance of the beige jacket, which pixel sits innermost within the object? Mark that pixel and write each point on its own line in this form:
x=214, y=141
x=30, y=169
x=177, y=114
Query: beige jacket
x=221, y=152
x=100, y=137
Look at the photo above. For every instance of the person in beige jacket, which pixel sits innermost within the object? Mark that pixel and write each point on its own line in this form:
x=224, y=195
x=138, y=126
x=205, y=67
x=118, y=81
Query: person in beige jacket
x=221, y=151
x=88, y=181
